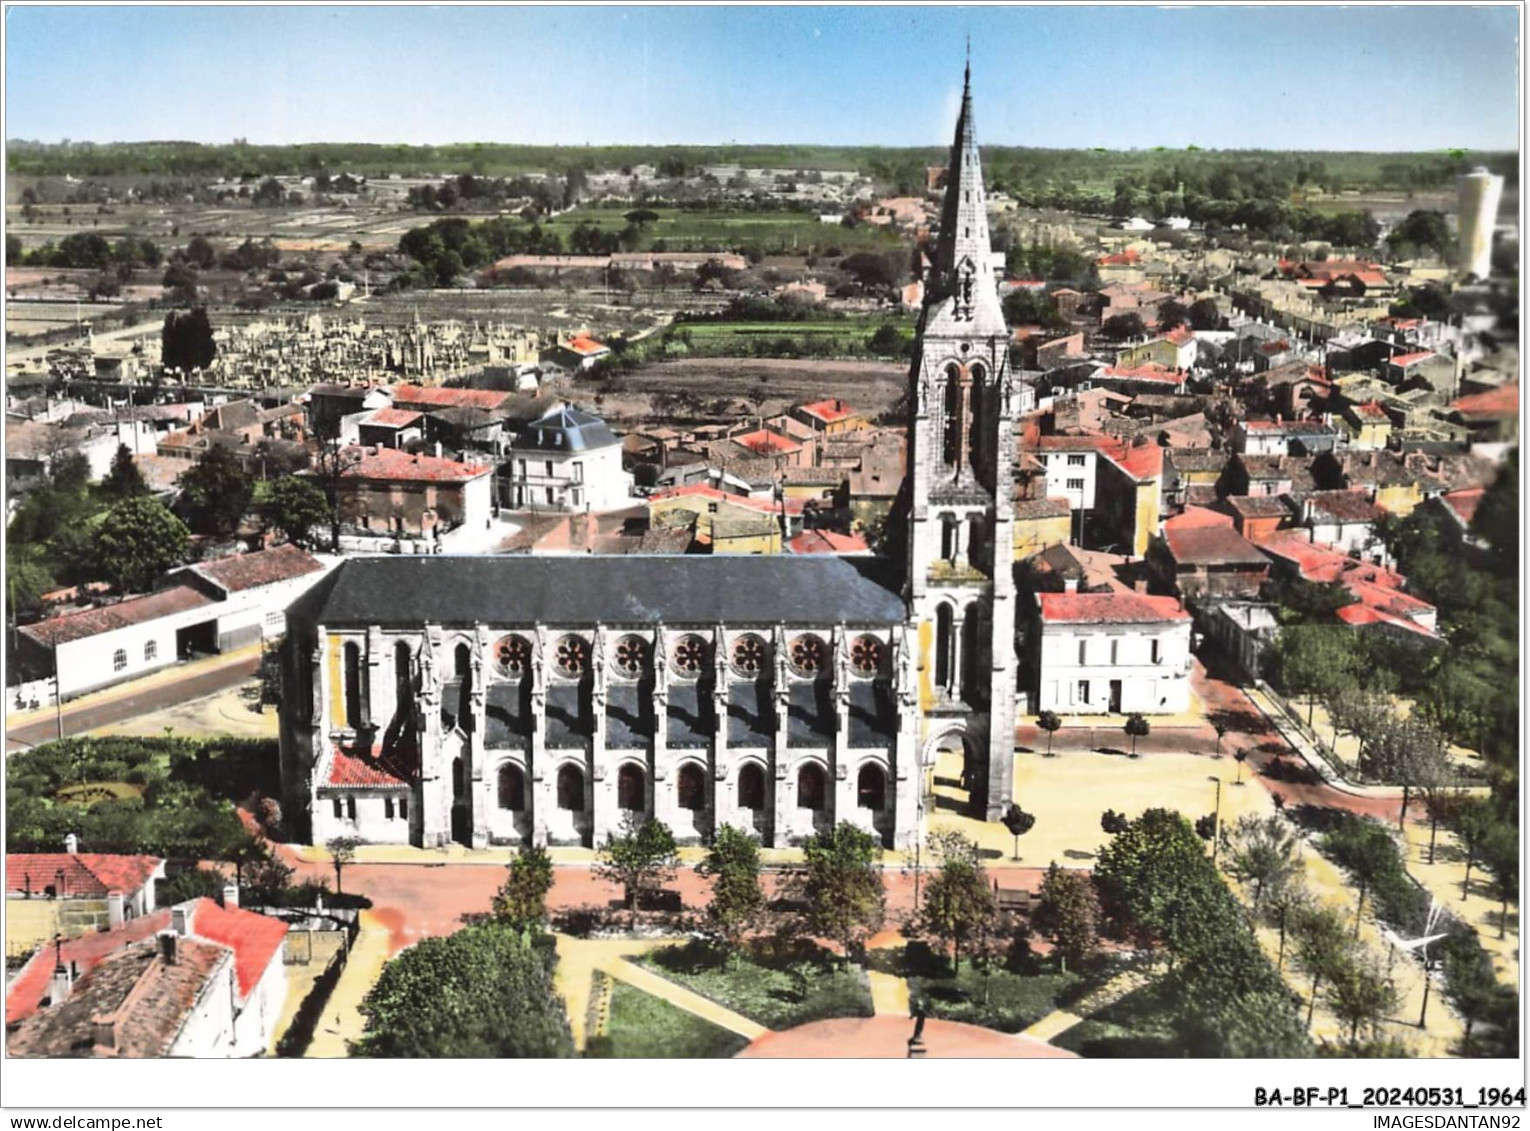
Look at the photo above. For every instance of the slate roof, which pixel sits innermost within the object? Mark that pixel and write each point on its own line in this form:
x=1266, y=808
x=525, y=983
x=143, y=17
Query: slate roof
x=614, y=590
x=85, y=873
x=565, y=430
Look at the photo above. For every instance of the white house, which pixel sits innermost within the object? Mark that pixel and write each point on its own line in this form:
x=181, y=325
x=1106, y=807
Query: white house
x=1113, y=653
x=1070, y=462
x=567, y=460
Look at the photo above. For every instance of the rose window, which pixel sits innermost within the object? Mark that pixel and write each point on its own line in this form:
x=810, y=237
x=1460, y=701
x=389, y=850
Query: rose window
x=690, y=656
x=866, y=655
x=631, y=656
x=750, y=655
x=808, y=654
x=513, y=654
x=572, y=655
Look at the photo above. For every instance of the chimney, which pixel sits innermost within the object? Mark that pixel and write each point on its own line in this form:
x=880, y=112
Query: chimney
x=179, y=923
x=230, y=895
x=116, y=909
x=1070, y=585
x=169, y=943
x=1140, y=585
x=72, y=844
x=103, y=1033
x=438, y=449
x=60, y=984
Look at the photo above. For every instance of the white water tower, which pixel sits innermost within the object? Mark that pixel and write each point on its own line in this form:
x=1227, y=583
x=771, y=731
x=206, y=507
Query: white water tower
x=1477, y=195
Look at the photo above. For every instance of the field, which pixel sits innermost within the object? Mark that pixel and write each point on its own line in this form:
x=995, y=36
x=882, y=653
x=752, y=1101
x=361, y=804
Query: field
x=683, y=229
x=841, y=338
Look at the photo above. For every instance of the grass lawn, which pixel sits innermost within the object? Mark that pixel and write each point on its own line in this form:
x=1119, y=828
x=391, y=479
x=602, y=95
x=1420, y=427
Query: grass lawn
x=1137, y=1025
x=1015, y=997
x=777, y=230
x=779, y=988
x=643, y=1026
x=91, y=792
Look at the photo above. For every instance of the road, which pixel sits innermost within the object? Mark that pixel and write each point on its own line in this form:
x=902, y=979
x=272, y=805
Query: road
x=95, y=712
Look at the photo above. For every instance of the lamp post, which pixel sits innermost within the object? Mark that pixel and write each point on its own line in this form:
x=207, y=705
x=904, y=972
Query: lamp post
x=1216, y=823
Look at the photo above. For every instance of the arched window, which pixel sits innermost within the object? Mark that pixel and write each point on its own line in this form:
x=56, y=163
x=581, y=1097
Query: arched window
x=943, y=641
x=353, y=714
x=571, y=788
x=751, y=786
x=953, y=432
x=950, y=536
x=631, y=788
x=459, y=778
x=691, y=787
x=462, y=660
x=119, y=660
x=977, y=536
x=512, y=788
x=972, y=645
x=811, y=787
x=871, y=788
x=150, y=651
x=403, y=689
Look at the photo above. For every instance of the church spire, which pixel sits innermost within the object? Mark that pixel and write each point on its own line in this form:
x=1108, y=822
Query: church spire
x=962, y=249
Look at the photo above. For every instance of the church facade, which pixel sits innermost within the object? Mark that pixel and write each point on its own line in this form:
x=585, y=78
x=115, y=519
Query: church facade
x=527, y=700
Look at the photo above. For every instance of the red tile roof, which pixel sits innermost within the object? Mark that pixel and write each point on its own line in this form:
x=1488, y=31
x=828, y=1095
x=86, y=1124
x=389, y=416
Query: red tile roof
x=1150, y=371
x=583, y=344
x=1344, y=506
x=84, y=873
x=442, y=397
x=1403, y=360
x=1213, y=546
x=1465, y=503
x=828, y=542
x=255, y=939
x=1502, y=401
x=1179, y=335
x=1123, y=607
x=376, y=767
x=108, y=618
x=147, y=1000
x=1119, y=259
x=264, y=567
x=390, y=464
x=1370, y=409
x=829, y=411
x=393, y=418
x=1193, y=517
x=766, y=442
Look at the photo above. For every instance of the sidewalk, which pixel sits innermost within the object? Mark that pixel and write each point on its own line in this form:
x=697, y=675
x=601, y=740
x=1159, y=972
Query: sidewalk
x=342, y=1021
x=680, y=997
x=175, y=673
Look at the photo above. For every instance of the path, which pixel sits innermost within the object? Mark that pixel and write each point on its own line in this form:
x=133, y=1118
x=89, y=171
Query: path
x=646, y=980
x=342, y=1021
x=1059, y=1021
x=578, y=960
x=886, y=1037
x=889, y=994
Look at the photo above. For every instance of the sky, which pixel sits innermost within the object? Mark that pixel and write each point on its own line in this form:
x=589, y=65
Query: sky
x=1375, y=78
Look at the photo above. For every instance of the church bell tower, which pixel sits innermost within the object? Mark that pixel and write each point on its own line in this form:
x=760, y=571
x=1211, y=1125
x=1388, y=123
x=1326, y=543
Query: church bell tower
x=964, y=398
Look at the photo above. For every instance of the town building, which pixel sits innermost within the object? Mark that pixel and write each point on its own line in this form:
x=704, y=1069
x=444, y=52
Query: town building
x=386, y=491
x=194, y=980
x=71, y=893
x=568, y=460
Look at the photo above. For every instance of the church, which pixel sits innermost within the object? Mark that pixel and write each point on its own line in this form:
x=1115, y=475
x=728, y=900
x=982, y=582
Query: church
x=525, y=700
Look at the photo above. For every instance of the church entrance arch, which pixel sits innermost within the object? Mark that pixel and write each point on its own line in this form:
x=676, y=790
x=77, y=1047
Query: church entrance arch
x=951, y=771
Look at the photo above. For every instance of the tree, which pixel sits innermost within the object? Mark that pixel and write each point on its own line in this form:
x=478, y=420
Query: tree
x=1422, y=230
x=1283, y=906
x=1321, y=948
x=485, y=991
x=217, y=491
x=1240, y=756
x=1123, y=327
x=521, y=902
x=958, y=901
x=1360, y=993
x=843, y=886
x=887, y=341
x=1051, y=723
x=641, y=860
x=1205, y=314
x=1172, y=314
x=1137, y=727
x=1113, y=822
x=1068, y=914
x=1368, y=855
x=200, y=253
x=1473, y=825
x=1018, y=822
x=136, y=541
x=1500, y=856
x=733, y=863
x=342, y=851
x=186, y=342
x=295, y=506
x=123, y=480
x=1310, y=659
x=1263, y=853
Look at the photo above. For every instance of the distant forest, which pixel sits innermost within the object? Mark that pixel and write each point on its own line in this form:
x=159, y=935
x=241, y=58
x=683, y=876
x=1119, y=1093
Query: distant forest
x=1027, y=173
